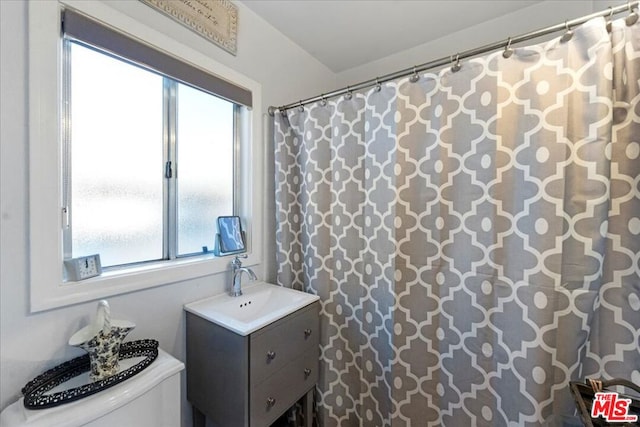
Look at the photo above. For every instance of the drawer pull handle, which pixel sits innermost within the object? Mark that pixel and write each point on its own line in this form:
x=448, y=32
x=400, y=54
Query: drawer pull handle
x=307, y=333
x=271, y=402
x=271, y=355
x=307, y=372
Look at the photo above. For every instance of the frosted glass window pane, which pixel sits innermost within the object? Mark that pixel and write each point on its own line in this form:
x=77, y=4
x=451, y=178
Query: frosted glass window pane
x=117, y=159
x=205, y=167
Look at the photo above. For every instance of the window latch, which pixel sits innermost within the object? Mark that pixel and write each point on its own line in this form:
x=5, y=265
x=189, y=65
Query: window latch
x=65, y=217
x=168, y=172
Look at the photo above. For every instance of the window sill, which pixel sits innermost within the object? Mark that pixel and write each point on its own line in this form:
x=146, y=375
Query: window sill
x=135, y=278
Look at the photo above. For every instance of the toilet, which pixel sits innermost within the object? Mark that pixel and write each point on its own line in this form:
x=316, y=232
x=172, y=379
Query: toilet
x=151, y=398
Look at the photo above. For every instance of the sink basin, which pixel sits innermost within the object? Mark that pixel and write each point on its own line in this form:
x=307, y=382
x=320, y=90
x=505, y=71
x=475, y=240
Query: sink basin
x=260, y=304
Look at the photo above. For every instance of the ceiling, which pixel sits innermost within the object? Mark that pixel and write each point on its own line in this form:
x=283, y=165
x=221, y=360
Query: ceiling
x=343, y=34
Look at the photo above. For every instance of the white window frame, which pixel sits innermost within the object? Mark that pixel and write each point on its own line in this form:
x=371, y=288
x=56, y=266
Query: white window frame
x=47, y=288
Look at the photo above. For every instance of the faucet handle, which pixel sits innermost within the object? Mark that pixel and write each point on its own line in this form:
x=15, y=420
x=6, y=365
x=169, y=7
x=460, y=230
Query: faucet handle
x=236, y=263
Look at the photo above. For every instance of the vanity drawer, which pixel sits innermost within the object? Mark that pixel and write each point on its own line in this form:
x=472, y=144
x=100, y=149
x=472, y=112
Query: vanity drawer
x=277, y=345
x=276, y=394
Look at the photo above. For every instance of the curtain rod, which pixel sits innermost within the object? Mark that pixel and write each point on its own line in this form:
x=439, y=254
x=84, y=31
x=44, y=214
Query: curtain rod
x=462, y=55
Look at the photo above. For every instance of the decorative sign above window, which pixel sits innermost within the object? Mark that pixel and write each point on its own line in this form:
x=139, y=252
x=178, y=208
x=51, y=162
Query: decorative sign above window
x=216, y=20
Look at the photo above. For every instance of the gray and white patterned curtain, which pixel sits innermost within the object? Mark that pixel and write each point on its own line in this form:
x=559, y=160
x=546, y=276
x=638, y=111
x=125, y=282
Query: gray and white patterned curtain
x=474, y=237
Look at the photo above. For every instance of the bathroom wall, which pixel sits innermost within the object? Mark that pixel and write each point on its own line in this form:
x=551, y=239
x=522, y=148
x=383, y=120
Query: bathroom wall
x=539, y=15
x=32, y=343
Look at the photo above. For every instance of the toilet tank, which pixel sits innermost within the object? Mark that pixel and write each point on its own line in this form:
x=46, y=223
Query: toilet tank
x=151, y=398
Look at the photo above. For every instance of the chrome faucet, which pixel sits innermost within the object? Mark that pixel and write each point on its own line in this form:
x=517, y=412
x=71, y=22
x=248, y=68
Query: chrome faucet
x=238, y=269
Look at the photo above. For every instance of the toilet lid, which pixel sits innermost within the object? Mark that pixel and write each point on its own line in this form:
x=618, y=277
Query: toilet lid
x=84, y=411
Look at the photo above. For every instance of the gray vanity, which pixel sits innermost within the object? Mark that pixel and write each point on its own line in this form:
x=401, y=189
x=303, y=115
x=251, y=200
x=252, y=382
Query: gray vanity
x=251, y=358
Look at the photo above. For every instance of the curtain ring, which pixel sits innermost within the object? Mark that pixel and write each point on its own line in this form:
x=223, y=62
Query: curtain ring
x=323, y=100
x=378, y=87
x=348, y=95
x=283, y=111
x=568, y=35
x=414, y=77
x=300, y=106
x=507, y=50
x=609, y=19
x=456, y=67
x=633, y=16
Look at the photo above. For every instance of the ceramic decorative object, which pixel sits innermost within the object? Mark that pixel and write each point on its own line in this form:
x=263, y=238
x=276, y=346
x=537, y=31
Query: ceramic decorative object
x=48, y=389
x=102, y=340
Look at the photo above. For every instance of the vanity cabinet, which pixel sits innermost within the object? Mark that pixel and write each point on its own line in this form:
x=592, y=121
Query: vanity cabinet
x=252, y=380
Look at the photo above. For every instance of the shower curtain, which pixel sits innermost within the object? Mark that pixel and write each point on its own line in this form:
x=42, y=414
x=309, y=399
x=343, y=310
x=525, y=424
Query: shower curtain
x=474, y=236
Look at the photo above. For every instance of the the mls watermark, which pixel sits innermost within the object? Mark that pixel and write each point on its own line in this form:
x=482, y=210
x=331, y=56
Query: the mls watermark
x=613, y=408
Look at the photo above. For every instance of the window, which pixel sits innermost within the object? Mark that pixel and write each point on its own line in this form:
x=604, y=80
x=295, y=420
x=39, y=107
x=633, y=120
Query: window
x=97, y=28
x=149, y=164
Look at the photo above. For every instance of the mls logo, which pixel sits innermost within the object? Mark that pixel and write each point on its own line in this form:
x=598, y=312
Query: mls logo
x=612, y=408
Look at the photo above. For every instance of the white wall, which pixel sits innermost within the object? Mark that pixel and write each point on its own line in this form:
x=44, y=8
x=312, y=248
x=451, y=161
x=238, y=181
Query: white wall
x=32, y=343
x=537, y=16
